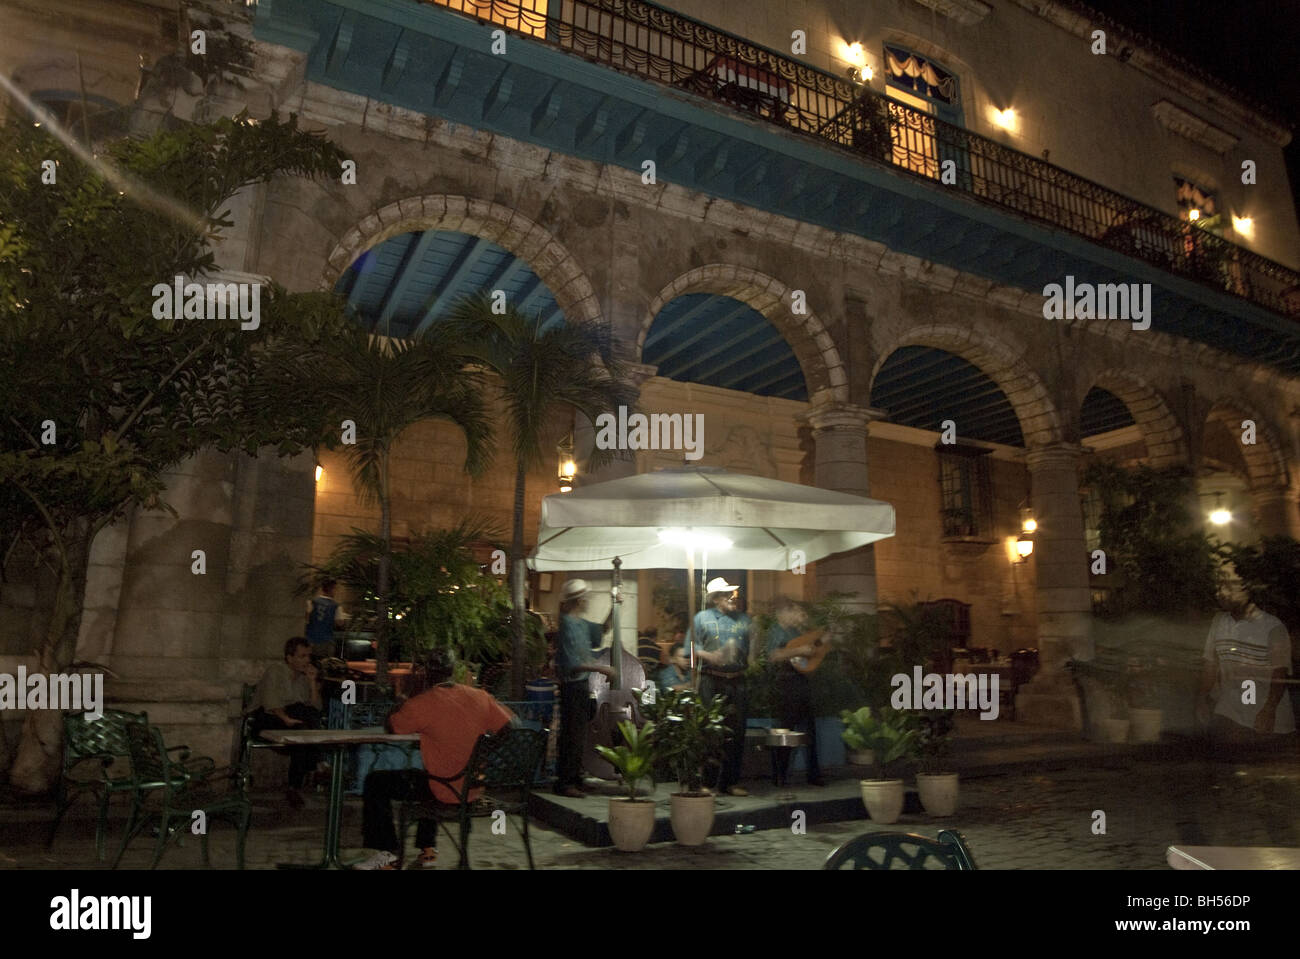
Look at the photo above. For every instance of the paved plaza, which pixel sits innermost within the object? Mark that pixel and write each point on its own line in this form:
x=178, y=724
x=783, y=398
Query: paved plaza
x=1031, y=818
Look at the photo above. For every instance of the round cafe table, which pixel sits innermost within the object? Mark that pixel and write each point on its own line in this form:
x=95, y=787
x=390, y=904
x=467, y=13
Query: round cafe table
x=338, y=740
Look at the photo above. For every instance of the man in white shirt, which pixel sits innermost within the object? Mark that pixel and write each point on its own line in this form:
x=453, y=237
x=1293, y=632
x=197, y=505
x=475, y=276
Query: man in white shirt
x=1253, y=647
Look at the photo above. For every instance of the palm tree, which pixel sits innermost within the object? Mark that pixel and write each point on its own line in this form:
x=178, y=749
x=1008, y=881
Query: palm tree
x=542, y=368
x=386, y=386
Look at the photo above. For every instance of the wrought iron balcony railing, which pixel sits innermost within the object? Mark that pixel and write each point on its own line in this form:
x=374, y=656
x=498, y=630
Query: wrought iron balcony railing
x=642, y=39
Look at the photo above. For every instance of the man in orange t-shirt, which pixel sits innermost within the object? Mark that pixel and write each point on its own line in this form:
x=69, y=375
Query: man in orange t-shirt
x=449, y=718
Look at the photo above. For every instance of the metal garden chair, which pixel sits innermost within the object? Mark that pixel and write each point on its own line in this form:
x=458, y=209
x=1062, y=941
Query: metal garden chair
x=902, y=850
x=87, y=742
x=179, y=789
x=505, y=760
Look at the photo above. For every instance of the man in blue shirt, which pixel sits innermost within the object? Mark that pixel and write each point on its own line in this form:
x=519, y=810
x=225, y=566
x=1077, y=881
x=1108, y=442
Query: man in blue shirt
x=677, y=674
x=573, y=661
x=793, y=688
x=323, y=614
x=720, y=635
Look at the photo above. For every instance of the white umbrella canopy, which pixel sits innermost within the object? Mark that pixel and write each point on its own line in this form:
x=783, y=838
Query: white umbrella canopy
x=766, y=520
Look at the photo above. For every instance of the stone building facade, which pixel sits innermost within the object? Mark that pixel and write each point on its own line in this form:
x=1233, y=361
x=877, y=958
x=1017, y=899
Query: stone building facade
x=851, y=260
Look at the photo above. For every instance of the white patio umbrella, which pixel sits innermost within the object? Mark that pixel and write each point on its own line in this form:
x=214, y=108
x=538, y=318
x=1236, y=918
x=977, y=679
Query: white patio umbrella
x=658, y=520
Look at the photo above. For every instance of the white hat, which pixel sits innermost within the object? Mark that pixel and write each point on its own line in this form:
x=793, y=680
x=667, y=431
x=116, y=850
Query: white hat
x=573, y=589
x=719, y=585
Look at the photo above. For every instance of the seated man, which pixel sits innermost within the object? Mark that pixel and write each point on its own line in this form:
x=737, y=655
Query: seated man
x=289, y=697
x=449, y=718
x=677, y=674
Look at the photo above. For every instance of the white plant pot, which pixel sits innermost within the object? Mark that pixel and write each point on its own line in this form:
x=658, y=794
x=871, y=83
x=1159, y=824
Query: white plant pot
x=938, y=793
x=631, y=823
x=692, y=818
x=1145, y=725
x=860, y=757
x=1115, y=730
x=883, y=799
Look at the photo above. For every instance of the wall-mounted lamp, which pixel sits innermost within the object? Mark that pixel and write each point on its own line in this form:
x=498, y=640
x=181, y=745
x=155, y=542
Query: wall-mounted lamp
x=1220, y=516
x=1024, y=547
x=861, y=75
x=1244, y=226
x=1028, y=525
x=1193, y=214
x=1006, y=119
x=568, y=466
x=320, y=471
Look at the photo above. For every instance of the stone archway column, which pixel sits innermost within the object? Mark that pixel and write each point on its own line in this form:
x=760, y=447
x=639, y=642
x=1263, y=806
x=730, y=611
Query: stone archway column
x=1277, y=512
x=840, y=464
x=1062, y=596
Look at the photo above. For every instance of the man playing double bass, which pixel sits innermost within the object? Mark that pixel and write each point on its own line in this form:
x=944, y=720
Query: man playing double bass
x=573, y=661
x=721, y=635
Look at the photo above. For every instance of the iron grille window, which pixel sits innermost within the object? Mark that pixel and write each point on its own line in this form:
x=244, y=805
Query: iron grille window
x=966, y=492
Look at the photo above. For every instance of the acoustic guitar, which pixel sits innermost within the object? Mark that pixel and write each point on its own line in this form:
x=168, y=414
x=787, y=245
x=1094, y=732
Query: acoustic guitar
x=821, y=645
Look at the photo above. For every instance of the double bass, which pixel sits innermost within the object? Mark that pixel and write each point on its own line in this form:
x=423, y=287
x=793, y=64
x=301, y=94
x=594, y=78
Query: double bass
x=617, y=699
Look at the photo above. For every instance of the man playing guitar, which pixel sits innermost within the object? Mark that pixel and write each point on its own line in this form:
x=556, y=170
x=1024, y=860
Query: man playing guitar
x=785, y=645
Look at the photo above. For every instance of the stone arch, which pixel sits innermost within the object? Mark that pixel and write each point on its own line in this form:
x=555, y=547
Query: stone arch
x=506, y=227
x=1265, y=460
x=1040, y=421
x=807, y=336
x=1165, y=441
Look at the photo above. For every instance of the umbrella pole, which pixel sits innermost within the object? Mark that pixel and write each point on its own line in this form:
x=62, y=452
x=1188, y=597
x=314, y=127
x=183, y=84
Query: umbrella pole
x=690, y=612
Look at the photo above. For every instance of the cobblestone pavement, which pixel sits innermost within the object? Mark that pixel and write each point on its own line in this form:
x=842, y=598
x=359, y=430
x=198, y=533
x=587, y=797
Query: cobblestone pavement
x=1040, y=820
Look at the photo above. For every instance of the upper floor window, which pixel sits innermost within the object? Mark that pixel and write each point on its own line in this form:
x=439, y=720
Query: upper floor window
x=966, y=493
x=1194, y=202
x=912, y=74
x=526, y=16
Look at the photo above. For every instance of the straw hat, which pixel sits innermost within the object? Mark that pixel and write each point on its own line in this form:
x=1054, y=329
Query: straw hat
x=574, y=589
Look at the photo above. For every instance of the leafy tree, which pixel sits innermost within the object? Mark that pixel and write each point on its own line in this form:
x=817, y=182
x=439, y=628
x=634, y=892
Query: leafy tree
x=542, y=368
x=1159, y=559
x=98, y=396
x=385, y=386
x=1270, y=575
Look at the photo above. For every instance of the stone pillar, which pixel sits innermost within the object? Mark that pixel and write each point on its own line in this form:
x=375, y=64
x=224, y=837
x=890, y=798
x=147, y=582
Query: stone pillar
x=1276, y=511
x=1063, y=599
x=840, y=439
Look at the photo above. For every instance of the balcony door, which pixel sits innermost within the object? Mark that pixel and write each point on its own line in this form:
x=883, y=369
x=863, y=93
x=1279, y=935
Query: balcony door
x=925, y=92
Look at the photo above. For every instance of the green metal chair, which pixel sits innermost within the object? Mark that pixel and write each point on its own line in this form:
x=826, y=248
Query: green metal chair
x=902, y=850
x=505, y=760
x=180, y=789
x=87, y=743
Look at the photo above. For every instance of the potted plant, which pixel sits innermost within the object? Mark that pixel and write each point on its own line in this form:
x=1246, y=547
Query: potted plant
x=631, y=820
x=856, y=728
x=936, y=786
x=891, y=736
x=689, y=738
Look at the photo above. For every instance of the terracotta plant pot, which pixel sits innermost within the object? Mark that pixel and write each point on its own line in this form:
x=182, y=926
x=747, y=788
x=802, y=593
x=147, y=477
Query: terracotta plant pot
x=692, y=818
x=1144, y=725
x=860, y=757
x=883, y=799
x=938, y=793
x=631, y=823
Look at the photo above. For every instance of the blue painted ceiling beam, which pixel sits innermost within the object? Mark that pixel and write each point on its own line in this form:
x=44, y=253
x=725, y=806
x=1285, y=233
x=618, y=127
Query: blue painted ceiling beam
x=446, y=288
x=403, y=278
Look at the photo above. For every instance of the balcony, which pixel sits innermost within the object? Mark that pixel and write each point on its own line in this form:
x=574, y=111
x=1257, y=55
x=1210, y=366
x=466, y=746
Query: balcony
x=642, y=39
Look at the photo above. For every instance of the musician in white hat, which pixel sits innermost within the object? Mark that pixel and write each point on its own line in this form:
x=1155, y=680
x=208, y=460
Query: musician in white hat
x=721, y=636
x=573, y=661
